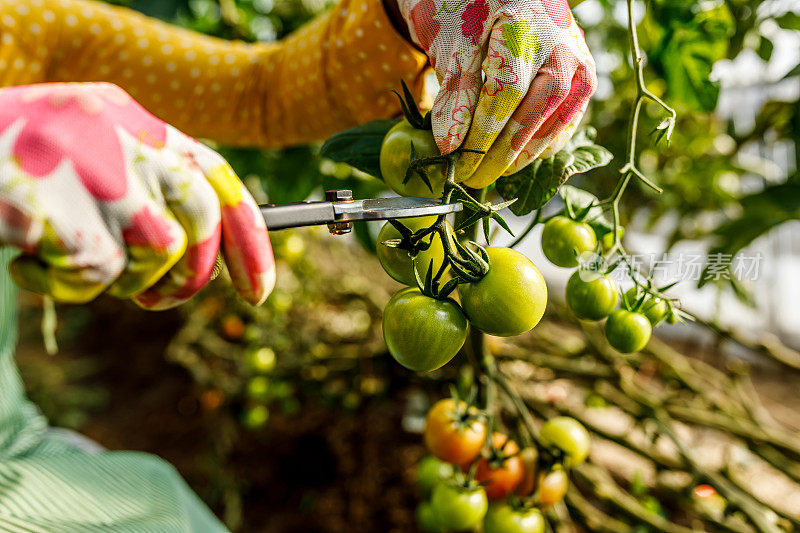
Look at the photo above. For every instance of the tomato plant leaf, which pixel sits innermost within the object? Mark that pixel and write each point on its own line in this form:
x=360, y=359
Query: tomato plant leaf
x=760, y=213
x=687, y=48
x=789, y=21
x=580, y=200
x=359, y=147
x=536, y=184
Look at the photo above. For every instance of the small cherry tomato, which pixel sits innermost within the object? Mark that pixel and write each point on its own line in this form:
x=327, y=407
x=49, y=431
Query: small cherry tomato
x=423, y=333
x=502, y=518
x=552, y=488
x=398, y=263
x=396, y=156
x=450, y=439
x=255, y=417
x=569, y=436
x=260, y=360
x=564, y=240
x=654, y=308
x=233, y=327
x=709, y=500
x=591, y=296
x=258, y=388
x=458, y=508
x=500, y=477
x=510, y=299
x=430, y=472
x=427, y=520
x=627, y=331
x=530, y=458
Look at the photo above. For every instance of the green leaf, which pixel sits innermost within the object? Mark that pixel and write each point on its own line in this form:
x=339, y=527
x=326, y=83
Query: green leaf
x=360, y=147
x=580, y=200
x=765, y=48
x=686, y=52
x=789, y=21
x=760, y=213
x=536, y=184
x=793, y=72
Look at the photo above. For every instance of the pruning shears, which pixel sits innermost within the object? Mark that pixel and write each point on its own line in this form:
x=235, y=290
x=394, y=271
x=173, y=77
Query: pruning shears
x=339, y=210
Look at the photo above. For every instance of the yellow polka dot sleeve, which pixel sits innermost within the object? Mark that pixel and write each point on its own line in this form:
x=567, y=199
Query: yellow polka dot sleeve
x=333, y=73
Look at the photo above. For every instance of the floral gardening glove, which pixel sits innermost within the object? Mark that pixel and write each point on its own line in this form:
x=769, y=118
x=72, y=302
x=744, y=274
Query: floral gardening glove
x=539, y=77
x=100, y=195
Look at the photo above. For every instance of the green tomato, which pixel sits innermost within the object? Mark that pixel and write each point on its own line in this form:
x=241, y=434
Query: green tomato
x=502, y=518
x=430, y=472
x=510, y=299
x=608, y=239
x=398, y=263
x=569, y=436
x=261, y=360
x=459, y=508
x=564, y=240
x=627, y=331
x=591, y=296
x=255, y=417
x=423, y=333
x=258, y=388
x=427, y=520
x=654, y=308
x=396, y=156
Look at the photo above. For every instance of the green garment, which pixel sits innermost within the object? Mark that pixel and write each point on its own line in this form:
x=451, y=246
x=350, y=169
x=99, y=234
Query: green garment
x=48, y=485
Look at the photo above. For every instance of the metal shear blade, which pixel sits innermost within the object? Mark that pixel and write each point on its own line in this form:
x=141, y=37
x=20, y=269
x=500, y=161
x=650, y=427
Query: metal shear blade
x=342, y=212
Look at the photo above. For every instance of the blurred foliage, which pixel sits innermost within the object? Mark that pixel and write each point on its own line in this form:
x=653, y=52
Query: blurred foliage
x=60, y=386
x=712, y=173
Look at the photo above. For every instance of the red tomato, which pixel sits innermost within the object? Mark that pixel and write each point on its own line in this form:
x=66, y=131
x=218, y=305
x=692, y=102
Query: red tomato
x=448, y=439
x=500, y=477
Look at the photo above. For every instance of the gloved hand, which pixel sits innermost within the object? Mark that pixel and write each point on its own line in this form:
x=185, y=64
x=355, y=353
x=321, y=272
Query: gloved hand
x=100, y=195
x=539, y=77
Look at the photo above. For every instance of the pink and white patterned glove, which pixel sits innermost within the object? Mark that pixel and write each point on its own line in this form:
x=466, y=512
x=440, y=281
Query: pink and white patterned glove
x=538, y=72
x=101, y=196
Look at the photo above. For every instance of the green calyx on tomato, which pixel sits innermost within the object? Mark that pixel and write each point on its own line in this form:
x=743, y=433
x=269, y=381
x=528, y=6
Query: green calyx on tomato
x=423, y=333
x=627, y=331
x=398, y=263
x=591, y=295
x=454, y=432
x=564, y=241
x=430, y=472
x=510, y=299
x=457, y=507
x=569, y=436
x=653, y=307
x=503, y=518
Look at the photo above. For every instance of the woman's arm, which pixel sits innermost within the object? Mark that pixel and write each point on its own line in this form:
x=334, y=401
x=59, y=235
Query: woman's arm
x=335, y=72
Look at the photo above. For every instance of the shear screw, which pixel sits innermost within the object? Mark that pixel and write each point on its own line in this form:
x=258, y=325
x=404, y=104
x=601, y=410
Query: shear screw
x=339, y=195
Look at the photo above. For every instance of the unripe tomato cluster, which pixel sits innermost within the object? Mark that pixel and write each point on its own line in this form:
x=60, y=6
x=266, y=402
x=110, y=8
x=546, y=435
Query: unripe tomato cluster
x=423, y=333
x=475, y=476
x=594, y=295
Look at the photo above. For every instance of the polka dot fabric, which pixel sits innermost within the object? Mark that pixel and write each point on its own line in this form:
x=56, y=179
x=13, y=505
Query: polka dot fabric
x=331, y=74
x=538, y=76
